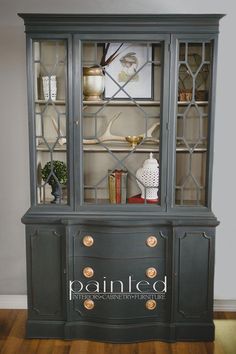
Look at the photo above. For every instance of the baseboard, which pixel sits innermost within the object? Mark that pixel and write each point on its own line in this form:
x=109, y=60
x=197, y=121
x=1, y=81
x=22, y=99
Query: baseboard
x=13, y=302
x=225, y=305
x=20, y=302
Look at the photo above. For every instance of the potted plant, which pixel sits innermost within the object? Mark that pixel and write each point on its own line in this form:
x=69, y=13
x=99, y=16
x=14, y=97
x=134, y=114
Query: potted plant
x=55, y=174
x=93, y=77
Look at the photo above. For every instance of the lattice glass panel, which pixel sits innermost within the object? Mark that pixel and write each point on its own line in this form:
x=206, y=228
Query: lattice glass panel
x=122, y=102
x=50, y=110
x=194, y=74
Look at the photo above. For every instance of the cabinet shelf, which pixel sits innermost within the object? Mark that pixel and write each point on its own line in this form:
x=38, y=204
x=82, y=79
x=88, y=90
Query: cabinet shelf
x=139, y=102
x=118, y=103
x=199, y=103
x=118, y=148
x=122, y=103
x=57, y=102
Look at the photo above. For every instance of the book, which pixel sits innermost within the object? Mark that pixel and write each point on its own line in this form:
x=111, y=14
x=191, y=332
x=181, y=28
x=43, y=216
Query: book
x=117, y=186
x=123, y=186
x=112, y=187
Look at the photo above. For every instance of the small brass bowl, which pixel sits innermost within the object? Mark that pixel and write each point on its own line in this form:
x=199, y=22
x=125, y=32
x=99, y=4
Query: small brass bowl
x=134, y=140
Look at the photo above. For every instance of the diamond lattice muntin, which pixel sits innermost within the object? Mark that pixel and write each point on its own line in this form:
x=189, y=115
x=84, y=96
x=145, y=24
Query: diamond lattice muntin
x=50, y=75
x=128, y=106
x=192, y=122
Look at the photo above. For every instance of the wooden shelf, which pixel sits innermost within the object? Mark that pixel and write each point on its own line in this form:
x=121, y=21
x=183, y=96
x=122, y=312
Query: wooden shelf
x=58, y=147
x=57, y=102
x=139, y=102
x=121, y=103
x=116, y=147
x=199, y=103
x=122, y=147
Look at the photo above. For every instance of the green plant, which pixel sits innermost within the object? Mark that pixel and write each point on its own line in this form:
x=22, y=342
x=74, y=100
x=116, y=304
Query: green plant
x=57, y=168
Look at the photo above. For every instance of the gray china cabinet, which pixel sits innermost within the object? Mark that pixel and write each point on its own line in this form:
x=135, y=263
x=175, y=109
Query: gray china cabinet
x=108, y=95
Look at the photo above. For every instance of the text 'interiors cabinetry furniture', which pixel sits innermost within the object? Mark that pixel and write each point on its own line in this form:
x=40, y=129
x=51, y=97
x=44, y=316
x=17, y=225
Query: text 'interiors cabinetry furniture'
x=120, y=233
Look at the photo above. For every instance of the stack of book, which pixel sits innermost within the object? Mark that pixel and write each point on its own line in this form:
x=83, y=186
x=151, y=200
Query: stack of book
x=117, y=182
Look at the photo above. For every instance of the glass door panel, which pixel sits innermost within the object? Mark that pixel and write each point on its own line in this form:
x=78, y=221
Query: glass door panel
x=194, y=77
x=122, y=88
x=50, y=112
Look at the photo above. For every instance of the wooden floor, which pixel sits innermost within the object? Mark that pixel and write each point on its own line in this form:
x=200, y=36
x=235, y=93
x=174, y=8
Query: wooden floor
x=12, y=331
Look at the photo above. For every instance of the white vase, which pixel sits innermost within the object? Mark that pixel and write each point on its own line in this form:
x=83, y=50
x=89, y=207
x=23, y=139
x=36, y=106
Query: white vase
x=148, y=176
x=49, y=86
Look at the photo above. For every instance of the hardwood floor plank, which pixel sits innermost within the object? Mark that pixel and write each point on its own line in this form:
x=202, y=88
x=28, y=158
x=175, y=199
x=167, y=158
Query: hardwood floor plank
x=12, y=340
x=45, y=346
x=79, y=347
x=61, y=347
x=29, y=346
x=7, y=319
x=226, y=335
x=16, y=335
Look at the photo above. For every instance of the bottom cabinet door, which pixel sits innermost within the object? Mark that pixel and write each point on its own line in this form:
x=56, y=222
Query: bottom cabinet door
x=44, y=263
x=194, y=272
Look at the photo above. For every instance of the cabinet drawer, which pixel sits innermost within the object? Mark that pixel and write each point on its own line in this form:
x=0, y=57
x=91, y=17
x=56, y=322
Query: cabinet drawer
x=122, y=288
x=123, y=243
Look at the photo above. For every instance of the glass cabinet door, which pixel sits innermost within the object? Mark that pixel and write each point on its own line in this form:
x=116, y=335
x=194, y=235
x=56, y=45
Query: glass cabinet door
x=122, y=109
x=50, y=120
x=192, y=122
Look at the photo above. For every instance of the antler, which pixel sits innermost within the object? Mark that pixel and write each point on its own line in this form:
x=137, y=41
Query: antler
x=107, y=135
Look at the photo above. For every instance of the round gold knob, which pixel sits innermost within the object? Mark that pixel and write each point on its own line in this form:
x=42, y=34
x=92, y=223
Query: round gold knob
x=151, y=241
x=88, y=272
x=89, y=304
x=88, y=241
x=151, y=272
x=151, y=304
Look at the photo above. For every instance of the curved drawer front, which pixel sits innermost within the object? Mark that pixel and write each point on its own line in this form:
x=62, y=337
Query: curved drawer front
x=119, y=289
x=124, y=243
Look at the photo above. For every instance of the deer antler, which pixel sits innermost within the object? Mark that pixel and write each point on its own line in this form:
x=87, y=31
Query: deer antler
x=107, y=135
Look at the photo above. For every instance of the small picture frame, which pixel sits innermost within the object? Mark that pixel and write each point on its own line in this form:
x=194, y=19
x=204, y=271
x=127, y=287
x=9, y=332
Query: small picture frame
x=132, y=70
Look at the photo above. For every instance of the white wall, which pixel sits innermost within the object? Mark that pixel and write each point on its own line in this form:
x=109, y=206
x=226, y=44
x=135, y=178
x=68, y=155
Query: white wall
x=14, y=164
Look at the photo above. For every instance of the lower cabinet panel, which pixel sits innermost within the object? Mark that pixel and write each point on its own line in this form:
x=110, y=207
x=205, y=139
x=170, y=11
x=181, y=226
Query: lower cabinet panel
x=44, y=262
x=194, y=273
x=184, y=262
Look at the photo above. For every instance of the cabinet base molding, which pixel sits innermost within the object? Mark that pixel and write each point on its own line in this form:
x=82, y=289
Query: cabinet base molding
x=121, y=333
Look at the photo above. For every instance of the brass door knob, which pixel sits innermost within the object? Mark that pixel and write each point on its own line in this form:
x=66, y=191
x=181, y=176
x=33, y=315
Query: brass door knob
x=88, y=241
x=151, y=241
x=89, y=304
x=88, y=272
x=151, y=272
x=151, y=304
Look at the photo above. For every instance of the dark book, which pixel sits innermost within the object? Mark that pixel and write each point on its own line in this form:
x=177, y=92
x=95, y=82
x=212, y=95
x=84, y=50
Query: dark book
x=118, y=186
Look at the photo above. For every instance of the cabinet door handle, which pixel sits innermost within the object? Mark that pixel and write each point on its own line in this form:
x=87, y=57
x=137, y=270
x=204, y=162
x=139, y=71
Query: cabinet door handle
x=88, y=241
x=151, y=305
x=89, y=304
x=151, y=241
x=88, y=272
x=151, y=272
